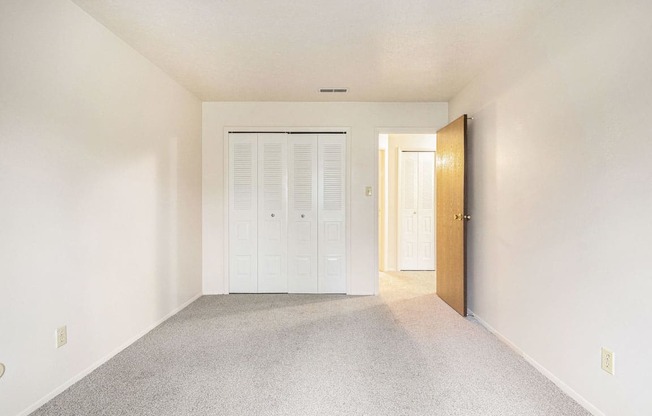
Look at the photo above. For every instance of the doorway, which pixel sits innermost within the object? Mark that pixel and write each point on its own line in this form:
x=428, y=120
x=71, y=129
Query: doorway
x=402, y=156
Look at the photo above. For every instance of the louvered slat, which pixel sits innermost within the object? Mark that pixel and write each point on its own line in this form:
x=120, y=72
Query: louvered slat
x=332, y=180
x=303, y=176
x=242, y=176
x=273, y=177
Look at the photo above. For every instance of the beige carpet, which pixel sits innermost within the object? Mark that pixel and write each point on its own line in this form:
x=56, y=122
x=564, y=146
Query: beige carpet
x=401, y=353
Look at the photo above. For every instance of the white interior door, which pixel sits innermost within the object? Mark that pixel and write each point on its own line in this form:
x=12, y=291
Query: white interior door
x=243, y=213
x=409, y=234
x=417, y=211
x=272, y=213
x=426, y=212
x=302, y=214
x=332, y=214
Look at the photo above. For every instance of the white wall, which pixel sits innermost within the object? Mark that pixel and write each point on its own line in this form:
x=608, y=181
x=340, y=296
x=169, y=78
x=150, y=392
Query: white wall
x=362, y=118
x=100, y=190
x=404, y=142
x=561, y=156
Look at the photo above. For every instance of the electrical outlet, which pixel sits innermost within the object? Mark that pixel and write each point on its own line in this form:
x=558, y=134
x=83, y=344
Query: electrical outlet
x=608, y=358
x=62, y=336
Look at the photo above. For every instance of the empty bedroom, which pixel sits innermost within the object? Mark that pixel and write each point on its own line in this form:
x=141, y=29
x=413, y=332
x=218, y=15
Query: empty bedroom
x=424, y=207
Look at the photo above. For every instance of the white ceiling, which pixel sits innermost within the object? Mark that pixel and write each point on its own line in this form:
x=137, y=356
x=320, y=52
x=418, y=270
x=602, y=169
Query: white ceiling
x=285, y=50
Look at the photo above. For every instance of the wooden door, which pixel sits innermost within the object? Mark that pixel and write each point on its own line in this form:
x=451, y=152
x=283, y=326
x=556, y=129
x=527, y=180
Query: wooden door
x=451, y=215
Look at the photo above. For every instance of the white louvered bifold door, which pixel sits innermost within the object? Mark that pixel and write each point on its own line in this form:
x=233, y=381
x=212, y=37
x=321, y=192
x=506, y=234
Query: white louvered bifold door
x=272, y=213
x=332, y=217
x=302, y=214
x=408, y=211
x=243, y=213
x=426, y=212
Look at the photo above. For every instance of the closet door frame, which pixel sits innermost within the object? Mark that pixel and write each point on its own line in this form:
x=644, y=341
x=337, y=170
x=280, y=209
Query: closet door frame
x=309, y=130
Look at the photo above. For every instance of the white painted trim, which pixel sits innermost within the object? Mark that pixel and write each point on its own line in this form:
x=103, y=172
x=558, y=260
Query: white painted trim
x=376, y=185
x=378, y=204
x=547, y=373
x=399, y=205
x=347, y=195
x=406, y=130
x=104, y=359
x=225, y=210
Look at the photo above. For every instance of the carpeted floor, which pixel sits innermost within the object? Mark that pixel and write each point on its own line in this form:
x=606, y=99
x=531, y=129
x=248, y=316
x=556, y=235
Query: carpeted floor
x=401, y=353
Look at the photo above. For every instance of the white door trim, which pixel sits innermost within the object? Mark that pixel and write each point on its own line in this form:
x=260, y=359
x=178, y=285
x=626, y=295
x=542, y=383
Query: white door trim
x=225, y=155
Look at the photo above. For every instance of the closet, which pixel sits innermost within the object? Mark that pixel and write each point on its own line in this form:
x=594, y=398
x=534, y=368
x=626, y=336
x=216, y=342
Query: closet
x=417, y=211
x=287, y=213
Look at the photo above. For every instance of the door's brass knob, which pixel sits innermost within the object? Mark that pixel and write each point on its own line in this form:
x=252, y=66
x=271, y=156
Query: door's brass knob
x=458, y=216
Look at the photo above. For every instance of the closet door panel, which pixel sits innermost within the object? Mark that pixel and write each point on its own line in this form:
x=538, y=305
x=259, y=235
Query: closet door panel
x=332, y=216
x=272, y=213
x=243, y=217
x=302, y=214
x=408, y=211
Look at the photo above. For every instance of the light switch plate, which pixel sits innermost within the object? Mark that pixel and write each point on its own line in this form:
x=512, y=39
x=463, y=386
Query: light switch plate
x=368, y=191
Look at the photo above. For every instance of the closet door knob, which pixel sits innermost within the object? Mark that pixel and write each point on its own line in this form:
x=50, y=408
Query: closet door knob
x=273, y=215
x=303, y=216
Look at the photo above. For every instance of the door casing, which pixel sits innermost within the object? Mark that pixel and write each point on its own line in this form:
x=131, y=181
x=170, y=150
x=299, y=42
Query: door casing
x=377, y=133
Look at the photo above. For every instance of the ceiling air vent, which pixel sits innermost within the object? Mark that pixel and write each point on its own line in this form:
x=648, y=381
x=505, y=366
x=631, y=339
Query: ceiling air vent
x=340, y=90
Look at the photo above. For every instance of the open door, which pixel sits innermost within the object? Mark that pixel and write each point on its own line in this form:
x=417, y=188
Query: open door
x=452, y=215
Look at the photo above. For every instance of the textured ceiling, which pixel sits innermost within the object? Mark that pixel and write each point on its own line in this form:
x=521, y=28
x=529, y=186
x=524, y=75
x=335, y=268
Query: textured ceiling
x=285, y=50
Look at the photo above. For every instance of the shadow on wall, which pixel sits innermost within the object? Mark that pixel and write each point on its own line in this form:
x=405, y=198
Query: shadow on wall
x=482, y=187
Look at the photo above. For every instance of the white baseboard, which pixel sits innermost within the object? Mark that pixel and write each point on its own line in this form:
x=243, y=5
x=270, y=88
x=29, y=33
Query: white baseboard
x=101, y=361
x=563, y=386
